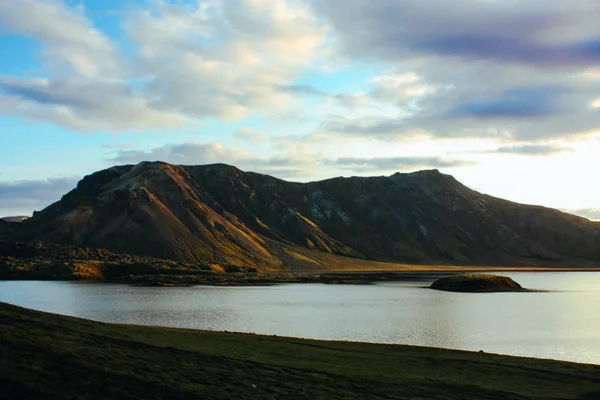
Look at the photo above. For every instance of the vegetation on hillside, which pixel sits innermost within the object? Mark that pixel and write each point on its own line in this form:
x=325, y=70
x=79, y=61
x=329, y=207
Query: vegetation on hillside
x=43, y=261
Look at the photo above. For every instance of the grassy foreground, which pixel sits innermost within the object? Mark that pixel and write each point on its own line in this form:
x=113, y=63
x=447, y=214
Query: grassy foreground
x=46, y=356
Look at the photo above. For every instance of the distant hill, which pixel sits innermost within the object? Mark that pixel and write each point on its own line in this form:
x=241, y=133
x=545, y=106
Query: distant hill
x=19, y=218
x=218, y=213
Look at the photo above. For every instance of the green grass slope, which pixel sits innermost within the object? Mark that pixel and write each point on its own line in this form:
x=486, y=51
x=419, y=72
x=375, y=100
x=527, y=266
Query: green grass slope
x=55, y=357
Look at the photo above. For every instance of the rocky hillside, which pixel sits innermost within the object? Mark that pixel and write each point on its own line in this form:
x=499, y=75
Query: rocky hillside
x=39, y=261
x=218, y=213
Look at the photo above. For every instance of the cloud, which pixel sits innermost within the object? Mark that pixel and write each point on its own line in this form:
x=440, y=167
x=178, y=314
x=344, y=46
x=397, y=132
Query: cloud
x=211, y=153
x=70, y=39
x=306, y=90
x=399, y=89
x=524, y=102
x=283, y=166
x=84, y=105
x=378, y=127
x=470, y=105
x=22, y=197
x=294, y=163
x=589, y=213
x=232, y=56
x=184, y=153
x=216, y=59
x=520, y=70
x=531, y=150
x=532, y=33
x=524, y=71
x=347, y=100
x=396, y=163
x=249, y=135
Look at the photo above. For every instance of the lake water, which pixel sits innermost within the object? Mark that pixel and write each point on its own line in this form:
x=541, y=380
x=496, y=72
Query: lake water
x=561, y=324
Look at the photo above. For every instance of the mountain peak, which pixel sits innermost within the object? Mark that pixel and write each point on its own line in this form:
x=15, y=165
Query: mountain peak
x=434, y=171
x=423, y=173
x=431, y=181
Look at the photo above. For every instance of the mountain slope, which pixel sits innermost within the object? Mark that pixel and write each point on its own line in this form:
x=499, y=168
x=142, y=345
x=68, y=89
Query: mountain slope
x=219, y=213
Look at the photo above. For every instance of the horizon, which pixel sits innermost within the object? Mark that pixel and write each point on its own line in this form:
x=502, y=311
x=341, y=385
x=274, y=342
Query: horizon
x=505, y=98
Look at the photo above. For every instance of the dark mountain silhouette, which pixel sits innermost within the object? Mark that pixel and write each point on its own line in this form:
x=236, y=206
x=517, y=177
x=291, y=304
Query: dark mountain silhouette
x=218, y=213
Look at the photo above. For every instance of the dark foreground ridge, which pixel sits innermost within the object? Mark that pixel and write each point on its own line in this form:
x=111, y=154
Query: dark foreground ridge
x=56, y=357
x=218, y=214
x=477, y=283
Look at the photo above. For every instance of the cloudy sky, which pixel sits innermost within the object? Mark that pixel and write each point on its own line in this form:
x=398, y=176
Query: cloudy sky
x=504, y=95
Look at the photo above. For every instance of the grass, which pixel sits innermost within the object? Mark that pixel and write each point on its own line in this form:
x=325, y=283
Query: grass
x=56, y=357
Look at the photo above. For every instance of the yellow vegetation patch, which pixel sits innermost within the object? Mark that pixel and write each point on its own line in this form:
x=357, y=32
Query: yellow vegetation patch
x=262, y=224
x=299, y=256
x=217, y=268
x=88, y=270
x=255, y=240
x=308, y=221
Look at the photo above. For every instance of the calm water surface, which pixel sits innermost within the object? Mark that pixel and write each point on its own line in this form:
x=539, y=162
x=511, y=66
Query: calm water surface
x=562, y=324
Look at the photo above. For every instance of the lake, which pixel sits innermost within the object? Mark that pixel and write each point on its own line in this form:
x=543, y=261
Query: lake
x=561, y=324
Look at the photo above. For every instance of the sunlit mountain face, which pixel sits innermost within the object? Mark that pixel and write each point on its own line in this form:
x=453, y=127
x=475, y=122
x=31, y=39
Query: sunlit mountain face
x=504, y=96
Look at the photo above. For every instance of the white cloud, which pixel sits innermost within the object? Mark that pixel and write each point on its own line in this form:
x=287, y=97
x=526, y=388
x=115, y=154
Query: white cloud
x=396, y=88
x=508, y=70
x=231, y=55
x=70, y=39
x=216, y=59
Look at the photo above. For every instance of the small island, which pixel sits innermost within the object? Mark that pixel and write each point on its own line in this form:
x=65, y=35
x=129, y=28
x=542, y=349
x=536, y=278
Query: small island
x=477, y=283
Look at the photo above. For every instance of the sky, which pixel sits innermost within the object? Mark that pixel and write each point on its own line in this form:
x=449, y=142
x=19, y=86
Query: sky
x=503, y=95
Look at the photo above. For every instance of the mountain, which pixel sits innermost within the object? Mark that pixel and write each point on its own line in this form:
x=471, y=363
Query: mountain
x=218, y=213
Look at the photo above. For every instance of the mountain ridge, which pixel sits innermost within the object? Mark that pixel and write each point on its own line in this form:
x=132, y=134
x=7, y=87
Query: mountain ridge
x=219, y=213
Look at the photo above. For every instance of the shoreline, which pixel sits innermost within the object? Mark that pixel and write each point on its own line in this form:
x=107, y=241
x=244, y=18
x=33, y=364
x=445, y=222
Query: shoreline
x=323, y=277
x=330, y=277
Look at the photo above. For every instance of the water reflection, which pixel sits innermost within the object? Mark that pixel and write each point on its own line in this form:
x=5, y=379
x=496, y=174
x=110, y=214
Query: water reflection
x=563, y=324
